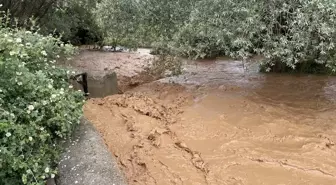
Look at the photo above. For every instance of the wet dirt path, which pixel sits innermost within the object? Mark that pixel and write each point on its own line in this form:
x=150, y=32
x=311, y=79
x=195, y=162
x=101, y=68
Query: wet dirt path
x=219, y=124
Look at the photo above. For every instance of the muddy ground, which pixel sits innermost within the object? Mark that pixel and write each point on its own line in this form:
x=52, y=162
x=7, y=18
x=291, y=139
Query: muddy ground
x=219, y=124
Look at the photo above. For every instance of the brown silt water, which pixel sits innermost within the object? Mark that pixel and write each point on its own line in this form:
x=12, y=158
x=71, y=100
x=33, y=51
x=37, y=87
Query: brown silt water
x=223, y=123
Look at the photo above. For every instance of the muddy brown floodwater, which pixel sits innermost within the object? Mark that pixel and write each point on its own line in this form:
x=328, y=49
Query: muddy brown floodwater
x=221, y=124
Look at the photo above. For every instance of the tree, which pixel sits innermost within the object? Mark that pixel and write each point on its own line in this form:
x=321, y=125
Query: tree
x=118, y=20
x=71, y=19
x=24, y=10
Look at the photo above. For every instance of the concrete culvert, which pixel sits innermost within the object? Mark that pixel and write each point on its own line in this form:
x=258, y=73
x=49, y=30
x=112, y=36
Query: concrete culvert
x=100, y=85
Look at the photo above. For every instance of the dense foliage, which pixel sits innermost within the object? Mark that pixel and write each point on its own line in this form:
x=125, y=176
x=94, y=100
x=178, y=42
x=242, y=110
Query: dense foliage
x=26, y=9
x=74, y=21
x=291, y=35
x=299, y=35
x=134, y=23
x=38, y=108
x=71, y=19
x=217, y=28
x=119, y=22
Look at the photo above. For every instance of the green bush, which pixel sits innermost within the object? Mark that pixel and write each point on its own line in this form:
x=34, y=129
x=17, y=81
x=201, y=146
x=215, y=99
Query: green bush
x=38, y=108
x=218, y=28
x=133, y=23
x=290, y=35
x=299, y=36
x=119, y=22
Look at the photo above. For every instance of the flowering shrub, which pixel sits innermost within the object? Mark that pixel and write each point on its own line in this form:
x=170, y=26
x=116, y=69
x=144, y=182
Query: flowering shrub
x=38, y=108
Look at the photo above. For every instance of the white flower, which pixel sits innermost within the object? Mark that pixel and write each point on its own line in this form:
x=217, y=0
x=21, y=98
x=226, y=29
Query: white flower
x=24, y=55
x=30, y=107
x=28, y=111
x=18, y=40
x=44, y=53
x=62, y=92
x=10, y=40
x=28, y=44
x=73, y=72
x=29, y=171
x=19, y=83
x=46, y=170
x=57, y=56
x=30, y=138
x=18, y=73
x=70, y=86
x=52, y=176
x=50, y=86
x=41, y=128
x=28, y=32
x=12, y=115
x=53, y=96
x=11, y=53
x=44, y=102
x=8, y=134
x=0, y=5
x=53, y=67
x=0, y=91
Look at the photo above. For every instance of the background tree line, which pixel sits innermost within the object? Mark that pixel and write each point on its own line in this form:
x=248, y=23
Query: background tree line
x=292, y=35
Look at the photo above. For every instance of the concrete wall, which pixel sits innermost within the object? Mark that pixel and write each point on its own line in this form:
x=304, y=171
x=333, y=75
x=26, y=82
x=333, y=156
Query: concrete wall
x=100, y=86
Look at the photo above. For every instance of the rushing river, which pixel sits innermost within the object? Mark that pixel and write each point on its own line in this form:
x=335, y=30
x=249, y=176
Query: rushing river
x=239, y=127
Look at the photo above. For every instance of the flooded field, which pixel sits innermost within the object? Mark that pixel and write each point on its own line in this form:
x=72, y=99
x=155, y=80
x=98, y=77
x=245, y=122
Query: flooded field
x=223, y=123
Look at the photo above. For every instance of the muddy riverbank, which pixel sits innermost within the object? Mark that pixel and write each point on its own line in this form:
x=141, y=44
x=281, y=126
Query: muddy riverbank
x=219, y=123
